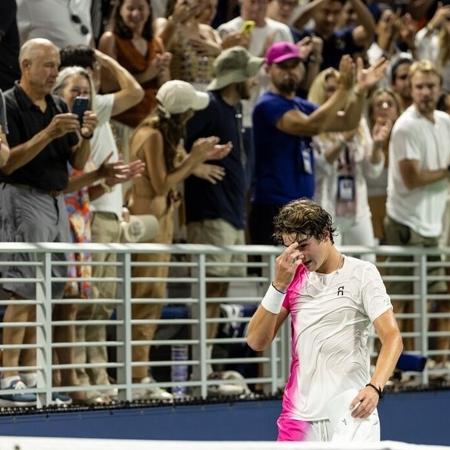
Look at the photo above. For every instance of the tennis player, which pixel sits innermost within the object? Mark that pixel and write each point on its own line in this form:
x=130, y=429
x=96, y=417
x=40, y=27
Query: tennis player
x=333, y=299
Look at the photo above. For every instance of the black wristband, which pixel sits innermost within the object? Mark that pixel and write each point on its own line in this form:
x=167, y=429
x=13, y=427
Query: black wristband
x=281, y=292
x=377, y=389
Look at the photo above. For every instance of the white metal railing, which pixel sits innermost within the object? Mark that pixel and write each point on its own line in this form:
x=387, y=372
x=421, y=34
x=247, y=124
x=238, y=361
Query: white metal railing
x=271, y=367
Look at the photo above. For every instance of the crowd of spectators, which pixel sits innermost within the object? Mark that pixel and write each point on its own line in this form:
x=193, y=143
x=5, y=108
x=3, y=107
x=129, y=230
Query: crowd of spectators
x=228, y=109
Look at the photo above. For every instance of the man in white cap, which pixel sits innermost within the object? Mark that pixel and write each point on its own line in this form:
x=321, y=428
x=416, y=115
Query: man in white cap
x=219, y=219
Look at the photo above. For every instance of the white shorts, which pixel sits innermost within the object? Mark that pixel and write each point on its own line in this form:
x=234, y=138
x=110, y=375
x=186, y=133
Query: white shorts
x=342, y=427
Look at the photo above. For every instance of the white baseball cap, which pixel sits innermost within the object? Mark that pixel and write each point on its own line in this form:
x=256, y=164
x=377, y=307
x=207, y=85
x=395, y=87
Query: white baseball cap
x=176, y=97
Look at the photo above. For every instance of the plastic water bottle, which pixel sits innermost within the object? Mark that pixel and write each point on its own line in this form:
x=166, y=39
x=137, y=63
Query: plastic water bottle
x=179, y=372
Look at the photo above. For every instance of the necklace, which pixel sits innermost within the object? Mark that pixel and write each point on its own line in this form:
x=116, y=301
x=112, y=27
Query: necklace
x=321, y=280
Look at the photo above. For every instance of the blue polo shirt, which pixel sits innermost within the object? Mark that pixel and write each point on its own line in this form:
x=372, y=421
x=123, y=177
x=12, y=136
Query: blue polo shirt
x=281, y=174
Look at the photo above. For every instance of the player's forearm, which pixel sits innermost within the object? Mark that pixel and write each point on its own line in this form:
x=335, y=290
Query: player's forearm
x=261, y=329
x=390, y=351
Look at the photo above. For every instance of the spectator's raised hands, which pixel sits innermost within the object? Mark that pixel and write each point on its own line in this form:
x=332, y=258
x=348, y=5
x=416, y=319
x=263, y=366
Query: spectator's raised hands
x=183, y=11
x=381, y=131
x=205, y=149
x=209, y=172
x=441, y=15
x=202, y=148
x=125, y=172
x=220, y=151
x=310, y=45
x=346, y=72
x=366, y=78
x=236, y=38
x=119, y=172
x=407, y=31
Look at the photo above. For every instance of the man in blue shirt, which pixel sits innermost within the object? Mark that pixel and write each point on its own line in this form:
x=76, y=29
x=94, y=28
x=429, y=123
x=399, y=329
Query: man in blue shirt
x=283, y=125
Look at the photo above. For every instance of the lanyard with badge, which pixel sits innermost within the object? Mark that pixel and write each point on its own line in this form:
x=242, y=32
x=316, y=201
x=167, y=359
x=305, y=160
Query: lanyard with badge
x=346, y=186
x=306, y=154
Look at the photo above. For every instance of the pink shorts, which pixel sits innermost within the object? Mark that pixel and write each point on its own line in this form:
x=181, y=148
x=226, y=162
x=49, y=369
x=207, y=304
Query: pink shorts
x=291, y=429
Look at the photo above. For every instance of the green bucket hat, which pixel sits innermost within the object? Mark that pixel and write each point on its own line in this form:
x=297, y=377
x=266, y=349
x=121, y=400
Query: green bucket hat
x=234, y=65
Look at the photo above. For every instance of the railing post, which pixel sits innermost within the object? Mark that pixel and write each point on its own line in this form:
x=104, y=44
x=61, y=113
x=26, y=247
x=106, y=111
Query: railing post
x=273, y=347
x=424, y=311
x=44, y=332
x=202, y=326
x=124, y=332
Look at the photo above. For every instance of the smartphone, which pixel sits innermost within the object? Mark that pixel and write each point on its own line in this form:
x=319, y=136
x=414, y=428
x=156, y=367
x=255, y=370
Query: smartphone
x=3, y=118
x=247, y=27
x=80, y=105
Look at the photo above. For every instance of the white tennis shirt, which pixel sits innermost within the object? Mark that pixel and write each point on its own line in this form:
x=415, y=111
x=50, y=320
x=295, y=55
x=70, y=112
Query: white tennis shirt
x=331, y=316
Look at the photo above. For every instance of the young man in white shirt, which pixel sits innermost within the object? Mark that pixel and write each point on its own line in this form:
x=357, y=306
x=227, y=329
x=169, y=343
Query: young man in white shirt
x=418, y=186
x=332, y=300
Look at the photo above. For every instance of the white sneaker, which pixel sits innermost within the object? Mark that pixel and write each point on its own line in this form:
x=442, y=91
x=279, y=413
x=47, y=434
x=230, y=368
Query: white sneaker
x=151, y=392
x=236, y=385
x=17, y=398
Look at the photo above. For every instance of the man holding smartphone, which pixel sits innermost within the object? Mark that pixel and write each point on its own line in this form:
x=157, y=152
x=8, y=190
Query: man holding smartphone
x=44, y=137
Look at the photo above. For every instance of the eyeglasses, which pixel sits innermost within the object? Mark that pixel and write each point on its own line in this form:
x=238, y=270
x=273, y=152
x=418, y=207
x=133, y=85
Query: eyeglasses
x=83, y=28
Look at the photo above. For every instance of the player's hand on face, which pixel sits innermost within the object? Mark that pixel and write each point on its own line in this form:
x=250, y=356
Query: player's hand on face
x=286, y=265
x=364, y=403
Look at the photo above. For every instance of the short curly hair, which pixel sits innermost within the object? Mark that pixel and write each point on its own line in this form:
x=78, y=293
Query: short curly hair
x=303, y=217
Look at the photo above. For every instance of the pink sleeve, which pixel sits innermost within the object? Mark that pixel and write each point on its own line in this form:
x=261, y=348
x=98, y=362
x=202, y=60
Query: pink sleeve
x=294, y=288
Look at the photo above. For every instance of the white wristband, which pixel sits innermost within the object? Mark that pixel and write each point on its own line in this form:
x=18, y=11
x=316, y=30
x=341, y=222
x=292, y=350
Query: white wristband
x=273, y=300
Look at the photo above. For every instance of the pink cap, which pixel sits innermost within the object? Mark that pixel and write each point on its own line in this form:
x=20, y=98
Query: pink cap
x=282, y=51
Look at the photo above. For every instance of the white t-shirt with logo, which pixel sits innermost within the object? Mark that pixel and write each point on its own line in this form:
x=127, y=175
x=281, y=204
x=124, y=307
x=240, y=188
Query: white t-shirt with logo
x=416, y=138
x=331, y=316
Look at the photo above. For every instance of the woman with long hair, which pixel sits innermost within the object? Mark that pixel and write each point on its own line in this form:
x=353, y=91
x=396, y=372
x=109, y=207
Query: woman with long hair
x=158, y=141
x=383, y=109
x=343, y=161
x=131, y=41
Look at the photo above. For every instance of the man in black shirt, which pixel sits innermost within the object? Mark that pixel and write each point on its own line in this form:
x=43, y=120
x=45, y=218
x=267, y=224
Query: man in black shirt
x=215, y=212
x=44, y=138
x=9, y=44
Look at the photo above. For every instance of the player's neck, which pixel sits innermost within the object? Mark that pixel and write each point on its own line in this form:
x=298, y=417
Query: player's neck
x=334, y=261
